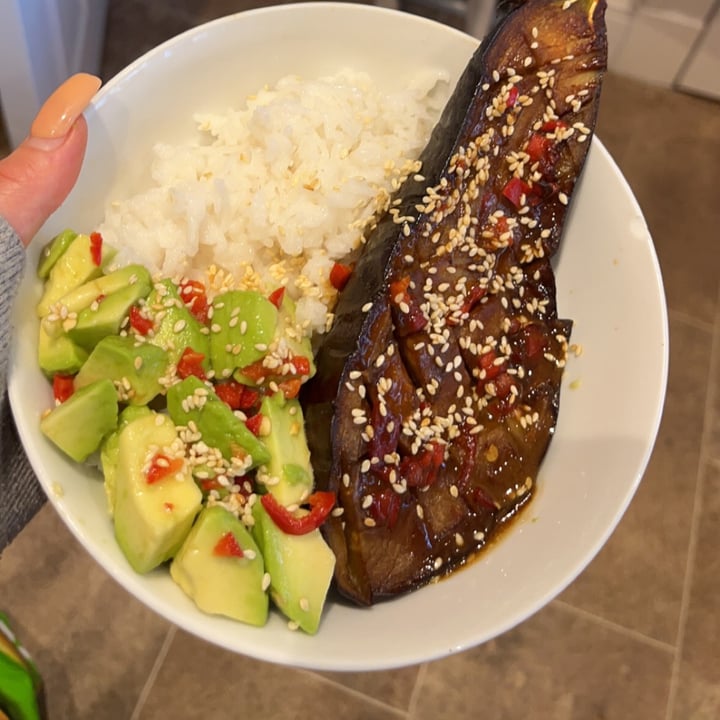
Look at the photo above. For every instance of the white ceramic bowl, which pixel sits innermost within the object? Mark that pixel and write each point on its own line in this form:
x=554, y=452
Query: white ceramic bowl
x=608, y=282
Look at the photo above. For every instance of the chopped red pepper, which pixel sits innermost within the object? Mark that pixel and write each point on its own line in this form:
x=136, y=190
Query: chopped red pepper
x=321, y=503
x=538, y=147
x=190, y=363
x=421, y=470
x=276, y=296
x=513, y=95
x=161, y=467
x=208, y=484
x=385, y=508
x=290, y=388
x=552, y=125
x=409, y=318
x=258, y=373
x=487, y=362
x=503, y=385
x=63, y=387
x=473, y=298
x=399, y=288
x=139, y=322
x=518, y=192
x=194, y=296
x=228, y=546
x=236, y=395
x=301, y=364
x=96, y=243
x=253, y=424
x=339, y=275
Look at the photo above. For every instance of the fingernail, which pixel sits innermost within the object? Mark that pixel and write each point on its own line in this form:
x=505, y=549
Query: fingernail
x=63, y=108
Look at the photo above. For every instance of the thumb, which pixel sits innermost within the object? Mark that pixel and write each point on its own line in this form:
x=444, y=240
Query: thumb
x=38, y=175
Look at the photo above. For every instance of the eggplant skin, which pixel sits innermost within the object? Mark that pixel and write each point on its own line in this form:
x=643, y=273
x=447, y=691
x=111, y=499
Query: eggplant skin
x=438, y=386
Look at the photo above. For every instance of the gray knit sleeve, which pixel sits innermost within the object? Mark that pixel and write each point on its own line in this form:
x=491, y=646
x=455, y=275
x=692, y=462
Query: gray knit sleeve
x=20, y=493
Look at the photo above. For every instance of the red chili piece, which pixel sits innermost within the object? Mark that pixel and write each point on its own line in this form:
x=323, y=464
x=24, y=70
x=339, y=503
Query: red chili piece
x=194, y=296
x=486, y=361
x=139, y=322
x=276, y=297
x=190, y=363
x=321, y=503
x=96, y=243
x=409, y=318
x=339, y=275
x=228, y=546
x=237, y=395
x=161, y=467
x=385, y=508
x=519, y=193
x=421, y=470
x=63, y=387
x=253, y=424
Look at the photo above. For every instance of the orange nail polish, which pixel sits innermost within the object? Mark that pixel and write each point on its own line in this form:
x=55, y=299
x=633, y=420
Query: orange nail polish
x=64, y=106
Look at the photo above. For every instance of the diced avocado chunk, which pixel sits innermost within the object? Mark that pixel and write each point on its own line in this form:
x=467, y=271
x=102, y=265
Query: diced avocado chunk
x=111, y=447
x=78, y=426
x=243, y=326
x=300, y=566
x=290, y=332
x=152, y=519
x=73, y=268
x=288, y=474
x=222, y=584
x=176, y=328
x=193, y=401
x=106, y=317
x=51, y=253
x=136, y=368
x=59, y=354
x=84, y=295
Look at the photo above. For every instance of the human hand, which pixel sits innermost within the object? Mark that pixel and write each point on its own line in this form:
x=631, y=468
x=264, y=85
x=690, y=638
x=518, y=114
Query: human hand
x=37, y=176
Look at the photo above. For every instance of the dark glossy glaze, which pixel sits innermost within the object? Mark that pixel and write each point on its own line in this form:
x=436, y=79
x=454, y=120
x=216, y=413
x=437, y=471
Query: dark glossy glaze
x=438, y=385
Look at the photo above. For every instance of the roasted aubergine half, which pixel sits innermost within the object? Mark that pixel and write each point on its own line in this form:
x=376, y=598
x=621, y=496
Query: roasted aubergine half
x=437, y=386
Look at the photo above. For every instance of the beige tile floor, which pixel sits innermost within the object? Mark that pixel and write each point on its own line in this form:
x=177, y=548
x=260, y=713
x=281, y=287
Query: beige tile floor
x=636, y=636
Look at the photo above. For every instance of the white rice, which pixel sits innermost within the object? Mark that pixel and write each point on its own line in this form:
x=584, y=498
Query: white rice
x=275, y=191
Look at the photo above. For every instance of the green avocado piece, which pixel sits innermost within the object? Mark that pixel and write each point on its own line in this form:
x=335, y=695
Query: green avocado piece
x=74, y=267
x=58, y=354
x=51, y=253
x=222, y=585
x=135, y=367
x=84, y=295
x=110, y=449
x=193, y=401
x=79, y=425
x=242, y=328
x=105, y=318
x=300, y=566
x=288, y=475
x=151, y=520
x=176, y=328
x=289, y=331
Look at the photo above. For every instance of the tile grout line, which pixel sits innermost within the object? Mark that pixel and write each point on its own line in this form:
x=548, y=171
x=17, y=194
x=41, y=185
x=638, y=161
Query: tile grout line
x=154, y=671
x=415, y=694
x=702, y=325
x=697, y=510
x=358, y=694
x=617, y=627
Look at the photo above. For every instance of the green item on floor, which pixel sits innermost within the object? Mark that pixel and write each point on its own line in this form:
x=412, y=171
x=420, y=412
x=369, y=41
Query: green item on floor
x=21, y=690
